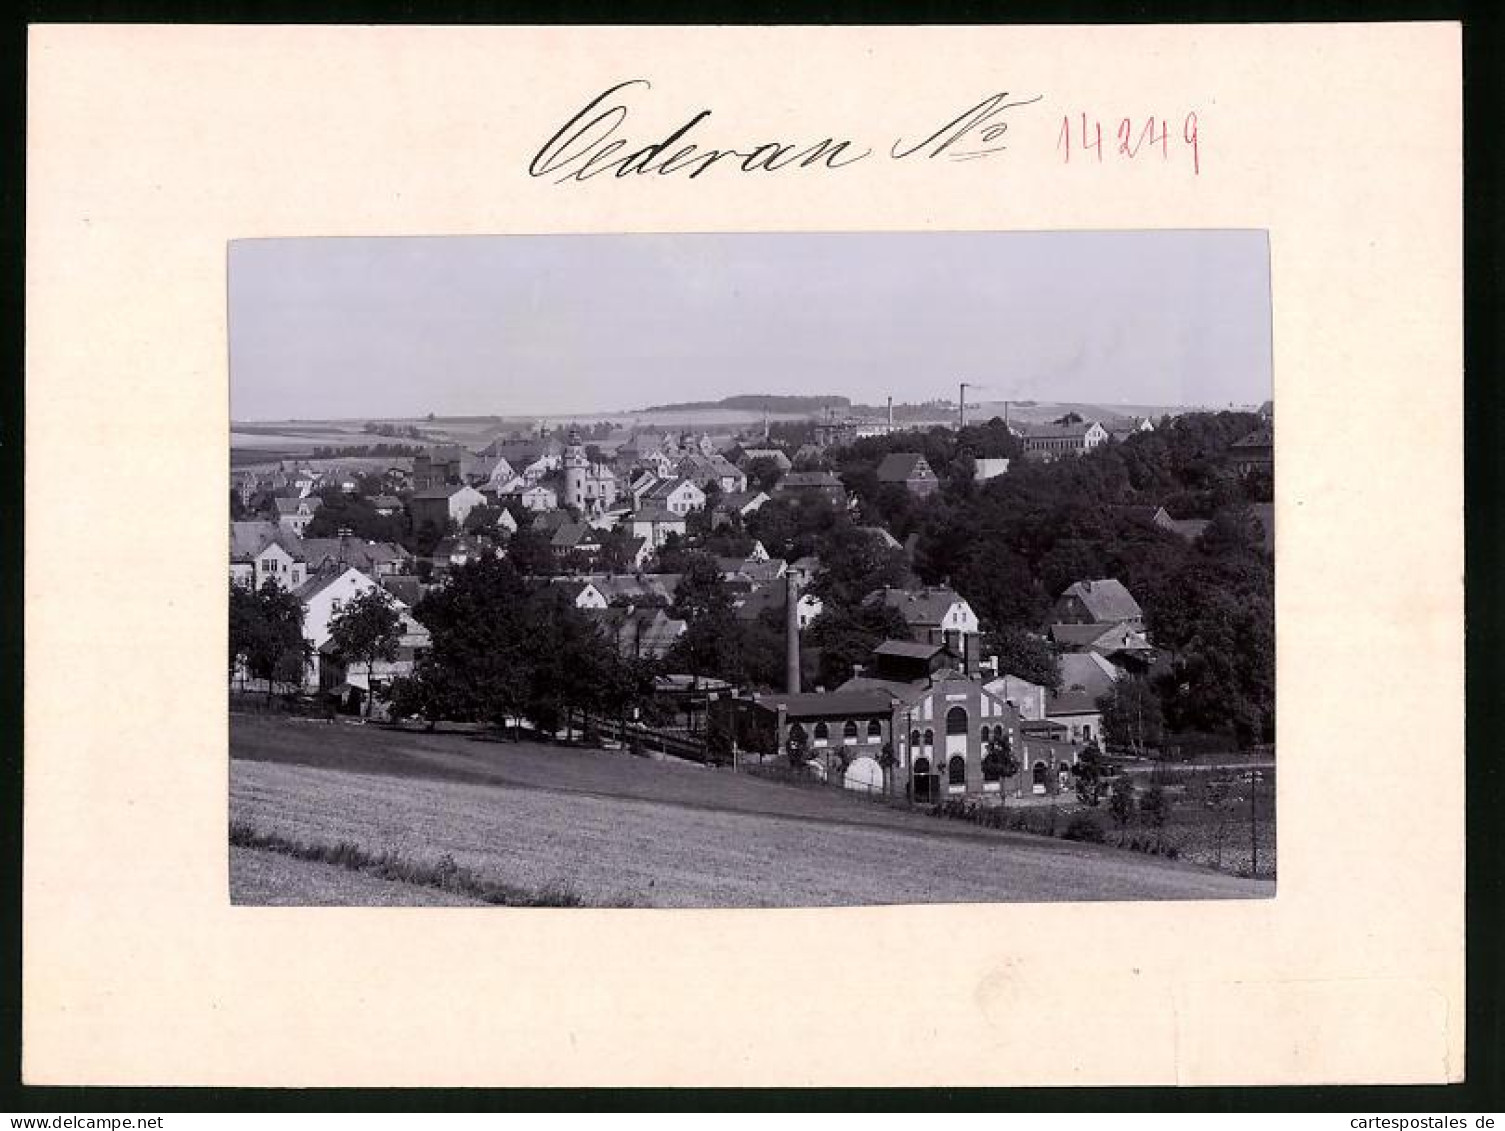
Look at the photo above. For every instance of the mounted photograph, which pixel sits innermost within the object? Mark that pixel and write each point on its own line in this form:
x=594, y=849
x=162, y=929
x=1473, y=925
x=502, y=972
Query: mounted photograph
x=751, y=570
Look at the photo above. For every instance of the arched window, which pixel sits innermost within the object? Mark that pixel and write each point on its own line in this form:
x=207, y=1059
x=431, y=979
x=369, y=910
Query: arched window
x=914, y=738
x=956, y=720
x=929, y=738
x=986, y=735
x=874, y=731
x=822, y=732
x=956, y=770
x=797, y=733
x=849, y=732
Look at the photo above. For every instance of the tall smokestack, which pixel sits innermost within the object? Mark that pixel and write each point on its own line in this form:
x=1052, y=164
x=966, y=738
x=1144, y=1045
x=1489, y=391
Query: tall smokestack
x=890, y=414
x=791, y=634
x=961, y=407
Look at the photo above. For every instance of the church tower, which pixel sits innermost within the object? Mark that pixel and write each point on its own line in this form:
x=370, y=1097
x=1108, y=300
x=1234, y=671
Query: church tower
x=575, y=465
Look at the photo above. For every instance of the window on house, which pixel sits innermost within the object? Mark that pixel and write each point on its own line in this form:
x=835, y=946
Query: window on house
x=914, y=738
x=956, y=720
x=930, y=738
x=874, y=731
x=822, y=733
x=849, y=732
x=956, y=770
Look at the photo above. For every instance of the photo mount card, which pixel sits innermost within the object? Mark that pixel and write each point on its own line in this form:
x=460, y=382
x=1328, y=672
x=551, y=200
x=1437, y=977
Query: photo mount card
x=157, y=152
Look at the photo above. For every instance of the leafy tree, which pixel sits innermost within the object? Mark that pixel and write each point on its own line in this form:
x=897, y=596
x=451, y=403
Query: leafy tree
x=1000, y=763
x=846, y=635
x=1092, y=772
x=425, y=538
x=701, y=592
x=431, y=693
x=718, y=741
x=484, y=519
x=853, y=564
x=797, y=747
x=366, y=630
x=1121, y=803
x=1131, y=715
x=1155, y=809
x=616, y=550
x=1025, y=655
x=339, y=511
x=267, y=635
x=763, y=474
x=244, y=611
x=531, y=552
x=481, y=631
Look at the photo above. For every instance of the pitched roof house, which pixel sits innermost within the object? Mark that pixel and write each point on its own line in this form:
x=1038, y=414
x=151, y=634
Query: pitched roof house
x=645, y=633
x=805, y=485
x=262, y=552
x=445, y=504
x=910, y=470
x=934, y=613
x=1052, y=441
x=1104, y=601
x=1254, y=452
x=774, y=456
x=294, y=515
x=376, y=559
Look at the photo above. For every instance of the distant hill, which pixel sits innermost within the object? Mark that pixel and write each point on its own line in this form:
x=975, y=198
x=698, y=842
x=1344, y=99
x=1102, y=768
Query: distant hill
x=758, y=402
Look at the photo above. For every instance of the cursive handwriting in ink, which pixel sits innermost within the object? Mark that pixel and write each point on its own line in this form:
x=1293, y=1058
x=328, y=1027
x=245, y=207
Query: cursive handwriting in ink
x=975, y=133
x=586, y=146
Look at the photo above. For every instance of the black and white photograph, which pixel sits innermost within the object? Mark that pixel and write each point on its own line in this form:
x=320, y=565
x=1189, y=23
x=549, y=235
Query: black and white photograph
x=751, y=570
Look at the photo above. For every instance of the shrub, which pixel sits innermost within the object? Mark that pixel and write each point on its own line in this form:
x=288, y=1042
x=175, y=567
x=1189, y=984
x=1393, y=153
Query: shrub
x=1084, y=828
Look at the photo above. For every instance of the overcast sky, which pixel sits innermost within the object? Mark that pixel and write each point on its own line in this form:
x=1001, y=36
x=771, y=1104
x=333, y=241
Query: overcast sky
x=525, y=325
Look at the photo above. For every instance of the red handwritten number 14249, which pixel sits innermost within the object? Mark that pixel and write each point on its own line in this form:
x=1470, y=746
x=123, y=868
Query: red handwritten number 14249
x=1133, y=138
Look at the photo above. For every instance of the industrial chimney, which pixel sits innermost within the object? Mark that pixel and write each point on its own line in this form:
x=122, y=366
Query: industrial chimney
x=890, y=414
x=791, y=634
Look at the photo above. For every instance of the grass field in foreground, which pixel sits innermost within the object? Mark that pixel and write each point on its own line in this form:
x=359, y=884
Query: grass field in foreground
x=275, y=880
x=616, y=829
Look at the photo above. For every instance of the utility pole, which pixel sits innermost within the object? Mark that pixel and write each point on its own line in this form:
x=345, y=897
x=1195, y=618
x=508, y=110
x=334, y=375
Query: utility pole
x=1254, y=778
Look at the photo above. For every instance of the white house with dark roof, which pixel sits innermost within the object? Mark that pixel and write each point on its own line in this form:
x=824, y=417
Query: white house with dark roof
x=678, y=496
x=935, y=614
x=262, y=552
x=325, y=596
x=582, y=592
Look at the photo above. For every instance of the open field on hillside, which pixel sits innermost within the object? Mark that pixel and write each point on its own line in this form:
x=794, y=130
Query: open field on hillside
x=614, y=829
